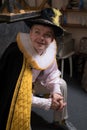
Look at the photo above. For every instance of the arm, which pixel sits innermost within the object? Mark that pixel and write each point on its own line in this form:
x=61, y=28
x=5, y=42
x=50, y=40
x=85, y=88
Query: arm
x=41, y=102
x=51, y=79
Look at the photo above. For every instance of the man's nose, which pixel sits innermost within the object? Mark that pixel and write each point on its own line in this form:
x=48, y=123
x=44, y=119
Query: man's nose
x=42, y=37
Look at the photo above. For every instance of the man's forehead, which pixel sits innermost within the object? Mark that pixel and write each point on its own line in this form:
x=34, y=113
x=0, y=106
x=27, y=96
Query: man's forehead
x=39, y=27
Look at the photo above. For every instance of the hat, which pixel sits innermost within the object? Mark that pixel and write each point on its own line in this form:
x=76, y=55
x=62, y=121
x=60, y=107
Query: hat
x=49, y=17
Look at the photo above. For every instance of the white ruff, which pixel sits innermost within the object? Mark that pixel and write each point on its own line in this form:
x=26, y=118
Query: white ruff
x=43, y=61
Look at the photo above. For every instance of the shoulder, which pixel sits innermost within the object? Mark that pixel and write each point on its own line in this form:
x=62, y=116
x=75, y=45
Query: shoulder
x=11, y=50
x=11, y=55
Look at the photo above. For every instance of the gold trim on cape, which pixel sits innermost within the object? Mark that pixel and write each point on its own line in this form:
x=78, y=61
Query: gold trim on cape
x=20, y=110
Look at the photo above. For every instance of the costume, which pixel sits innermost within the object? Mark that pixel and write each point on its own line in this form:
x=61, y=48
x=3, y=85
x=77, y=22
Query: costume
x=17, y=66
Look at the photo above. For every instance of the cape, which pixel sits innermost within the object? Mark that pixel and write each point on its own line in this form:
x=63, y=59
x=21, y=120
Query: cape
x=10, y=67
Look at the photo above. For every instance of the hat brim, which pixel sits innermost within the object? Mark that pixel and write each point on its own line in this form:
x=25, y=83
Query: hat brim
x=58, y=30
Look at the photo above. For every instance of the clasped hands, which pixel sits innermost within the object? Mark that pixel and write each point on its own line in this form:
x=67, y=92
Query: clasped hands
x=57, y=102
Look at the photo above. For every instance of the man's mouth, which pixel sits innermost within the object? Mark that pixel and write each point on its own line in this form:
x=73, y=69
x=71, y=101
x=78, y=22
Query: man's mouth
x=40, y=43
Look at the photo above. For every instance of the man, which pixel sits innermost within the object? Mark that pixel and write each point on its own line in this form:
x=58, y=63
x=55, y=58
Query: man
x=32, y=59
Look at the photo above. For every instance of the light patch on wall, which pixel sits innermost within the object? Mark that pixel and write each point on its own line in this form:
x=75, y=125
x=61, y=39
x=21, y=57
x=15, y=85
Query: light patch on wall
x=59, y=3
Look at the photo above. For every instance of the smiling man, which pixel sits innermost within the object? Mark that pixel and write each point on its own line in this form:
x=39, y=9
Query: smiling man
x=30, y=60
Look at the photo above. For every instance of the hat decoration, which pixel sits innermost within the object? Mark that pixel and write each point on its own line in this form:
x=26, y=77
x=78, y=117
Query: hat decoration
x=52, y=15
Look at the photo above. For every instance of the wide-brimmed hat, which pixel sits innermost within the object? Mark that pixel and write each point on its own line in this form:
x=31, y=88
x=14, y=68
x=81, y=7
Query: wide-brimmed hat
x=49, y=17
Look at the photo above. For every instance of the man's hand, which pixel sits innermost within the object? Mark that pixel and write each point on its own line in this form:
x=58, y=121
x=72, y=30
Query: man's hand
x=57, y=102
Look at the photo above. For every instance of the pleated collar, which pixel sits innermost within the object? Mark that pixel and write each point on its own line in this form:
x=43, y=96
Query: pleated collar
x=35, y=60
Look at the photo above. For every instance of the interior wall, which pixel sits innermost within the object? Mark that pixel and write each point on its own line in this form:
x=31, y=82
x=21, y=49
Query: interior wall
x=59, y=4
x=55, y=3
x=31, y=2
x=63, y=3
x=77, y=34
x=34, y=2
x=39, y=2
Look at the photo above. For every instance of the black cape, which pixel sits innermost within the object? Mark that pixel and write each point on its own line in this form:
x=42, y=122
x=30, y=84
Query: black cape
x=10, y=67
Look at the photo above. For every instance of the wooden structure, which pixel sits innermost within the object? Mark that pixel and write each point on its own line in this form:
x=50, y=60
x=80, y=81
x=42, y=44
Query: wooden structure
x=13, y=10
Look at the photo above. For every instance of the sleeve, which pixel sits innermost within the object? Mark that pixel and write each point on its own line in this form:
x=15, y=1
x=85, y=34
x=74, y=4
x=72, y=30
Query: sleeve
x=51, y=78
x=41, y=102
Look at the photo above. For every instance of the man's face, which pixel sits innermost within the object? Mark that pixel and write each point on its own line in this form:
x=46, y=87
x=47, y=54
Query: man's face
x=41, y=36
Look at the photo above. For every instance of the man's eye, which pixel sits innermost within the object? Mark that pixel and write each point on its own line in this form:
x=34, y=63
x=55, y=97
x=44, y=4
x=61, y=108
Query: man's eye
x=48, y=35
x=37, y=32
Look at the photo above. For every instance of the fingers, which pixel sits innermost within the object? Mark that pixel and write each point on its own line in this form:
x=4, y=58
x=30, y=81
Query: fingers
x=58, y=105
x=54, y=106
x=57, y=102
x=61, y=105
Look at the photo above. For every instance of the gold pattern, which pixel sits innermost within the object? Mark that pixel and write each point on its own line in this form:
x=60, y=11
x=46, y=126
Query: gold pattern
x=20, y=111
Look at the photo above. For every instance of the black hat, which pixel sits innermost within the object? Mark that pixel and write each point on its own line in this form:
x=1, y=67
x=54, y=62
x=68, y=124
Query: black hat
x=49, y=17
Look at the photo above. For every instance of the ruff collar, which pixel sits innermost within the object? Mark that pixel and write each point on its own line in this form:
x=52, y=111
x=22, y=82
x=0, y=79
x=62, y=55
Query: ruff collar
x=35, y=60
